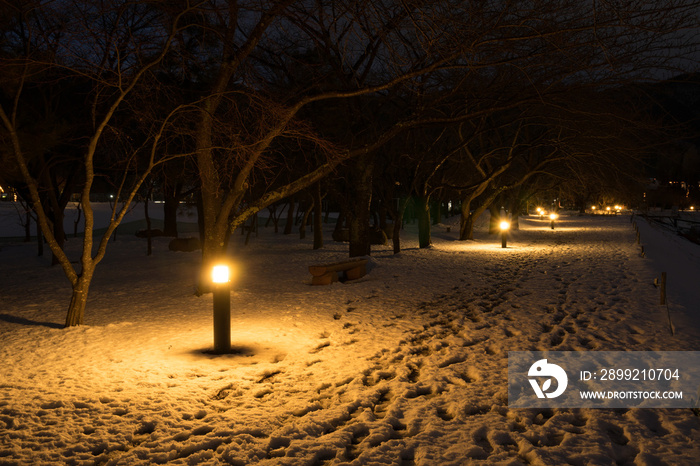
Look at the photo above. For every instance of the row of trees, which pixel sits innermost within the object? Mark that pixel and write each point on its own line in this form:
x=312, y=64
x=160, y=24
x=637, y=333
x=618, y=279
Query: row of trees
x=248, y=102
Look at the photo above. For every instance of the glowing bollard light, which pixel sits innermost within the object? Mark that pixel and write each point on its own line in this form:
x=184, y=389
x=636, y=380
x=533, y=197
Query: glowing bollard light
x=222, y=309
x=504, y=226
x=552, y=218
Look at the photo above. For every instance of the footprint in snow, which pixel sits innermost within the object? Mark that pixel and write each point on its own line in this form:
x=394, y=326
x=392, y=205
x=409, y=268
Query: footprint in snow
x=320, y=346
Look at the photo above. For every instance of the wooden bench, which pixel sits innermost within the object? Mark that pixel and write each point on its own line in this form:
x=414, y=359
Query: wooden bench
x=338, y=271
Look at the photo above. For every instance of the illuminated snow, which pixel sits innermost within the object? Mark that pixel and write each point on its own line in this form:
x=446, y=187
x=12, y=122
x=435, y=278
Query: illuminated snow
x=407, y=365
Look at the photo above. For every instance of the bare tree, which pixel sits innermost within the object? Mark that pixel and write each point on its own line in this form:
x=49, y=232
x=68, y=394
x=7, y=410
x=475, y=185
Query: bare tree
x=223, y=101
x=113, y=46
x=244, y=45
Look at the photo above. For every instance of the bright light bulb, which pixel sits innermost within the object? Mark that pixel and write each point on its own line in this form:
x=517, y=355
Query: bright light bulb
x=504, y=225
x=553, y=216
x=220, y=274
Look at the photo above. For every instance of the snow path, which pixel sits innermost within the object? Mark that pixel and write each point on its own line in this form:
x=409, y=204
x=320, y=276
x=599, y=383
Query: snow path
x=406, y=366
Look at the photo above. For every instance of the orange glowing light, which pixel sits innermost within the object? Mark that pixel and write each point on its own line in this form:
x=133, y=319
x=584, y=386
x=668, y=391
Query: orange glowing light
x=220, y=274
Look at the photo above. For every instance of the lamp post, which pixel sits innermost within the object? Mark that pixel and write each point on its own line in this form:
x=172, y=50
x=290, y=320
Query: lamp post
x=552, y=218
x=504, y=225
x=222, y=309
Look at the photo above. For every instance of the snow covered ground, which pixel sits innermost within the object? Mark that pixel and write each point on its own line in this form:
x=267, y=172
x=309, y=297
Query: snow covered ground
x=405, y=366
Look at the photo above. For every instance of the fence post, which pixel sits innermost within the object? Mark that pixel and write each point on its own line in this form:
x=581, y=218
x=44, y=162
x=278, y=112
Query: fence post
x=663, y=288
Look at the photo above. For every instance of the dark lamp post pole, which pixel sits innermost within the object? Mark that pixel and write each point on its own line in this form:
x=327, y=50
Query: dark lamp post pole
x=222, y=309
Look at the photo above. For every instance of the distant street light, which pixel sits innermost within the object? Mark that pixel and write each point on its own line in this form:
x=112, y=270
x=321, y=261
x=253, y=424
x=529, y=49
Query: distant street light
x=504, y=226
x=222, y=309
x=552, y=218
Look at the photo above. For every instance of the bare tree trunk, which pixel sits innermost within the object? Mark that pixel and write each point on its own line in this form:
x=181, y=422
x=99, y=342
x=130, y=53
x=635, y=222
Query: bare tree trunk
x=468, y=219
x=39, y=240
x=58, y=232
x=423, y=207
x=494, y=218
x=200, y=218
x=149, y=241
x=437, y=218
x=213, y=251
x=465, y=228
x=515, y=214
x=171, y=201
x=252, y=228
x=78, y=301
x=273, y=217
x=290, y=217
x=515, y=220
x=304, y=222
x=340, y=223
x=382, y=215
x=398, y=224
x=360, y=210
x=328, y=212
x=27, y=225
x=77, y=221
x=396, y=237
x=318, y=217
x=215, y=219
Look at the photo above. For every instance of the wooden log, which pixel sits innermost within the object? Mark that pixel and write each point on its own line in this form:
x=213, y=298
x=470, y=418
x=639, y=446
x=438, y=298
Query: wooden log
x=339, y=271
x=356, y=272
x=325, y=279
x=318, y=270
